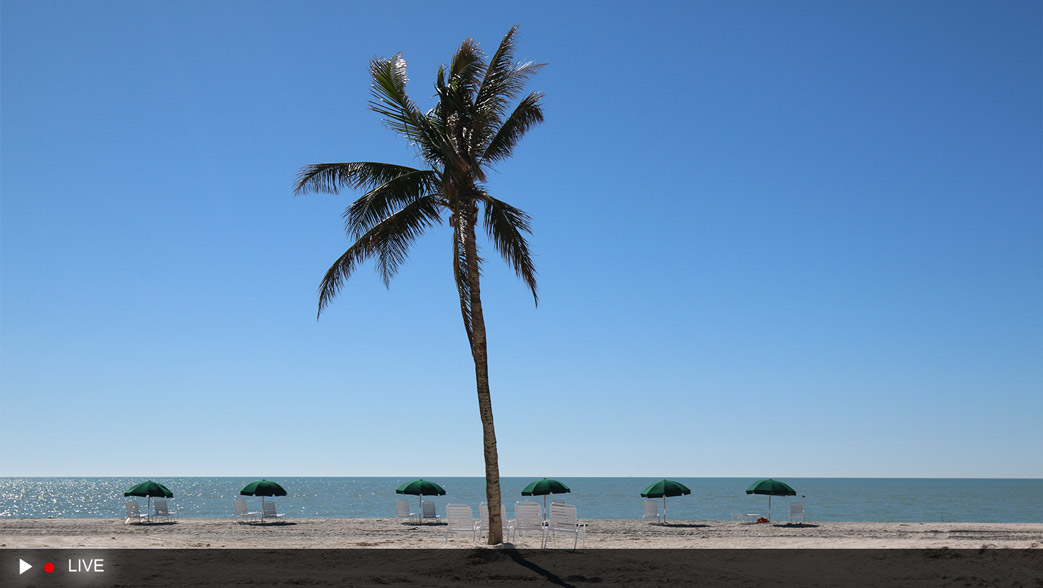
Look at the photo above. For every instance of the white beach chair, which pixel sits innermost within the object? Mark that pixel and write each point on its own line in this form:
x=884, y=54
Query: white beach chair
x=459, y=519
x=546, y=515
x=402, y=511
x=162, y=511
x=652, y=511
x=483, y=522
x=796, y=510
x=268, y=511
x=241, y=512
x=428, y=512
x=563, y=520
x=134, y=515
x=528, y=518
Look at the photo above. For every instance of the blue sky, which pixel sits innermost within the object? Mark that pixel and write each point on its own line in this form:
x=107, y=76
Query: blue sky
x=773, y=239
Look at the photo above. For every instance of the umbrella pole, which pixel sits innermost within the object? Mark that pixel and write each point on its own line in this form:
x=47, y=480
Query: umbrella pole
x=664, y=509
x=769, y=507
x=148, y=509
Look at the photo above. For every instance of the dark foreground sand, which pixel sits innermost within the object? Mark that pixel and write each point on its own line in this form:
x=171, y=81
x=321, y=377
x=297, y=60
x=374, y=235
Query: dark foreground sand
x=593, y=568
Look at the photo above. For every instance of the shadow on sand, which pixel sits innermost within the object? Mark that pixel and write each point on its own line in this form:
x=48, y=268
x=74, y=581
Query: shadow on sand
x=550, y=576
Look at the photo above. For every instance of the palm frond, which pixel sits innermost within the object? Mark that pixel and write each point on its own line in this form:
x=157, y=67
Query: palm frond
x=331, y=177
x=390, y=99
x=457, y=86
x=377, y=204
x=394, y=235
x=388, y=241
x=526, y=115
x=467, y=66
x=503, y=80
x=461, y=276
x=340, y=271
x=401, y=115
x=433, y=152
x=506, y=226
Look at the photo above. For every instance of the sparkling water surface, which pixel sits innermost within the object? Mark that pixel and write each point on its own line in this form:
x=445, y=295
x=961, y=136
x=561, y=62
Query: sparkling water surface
x=825, y=499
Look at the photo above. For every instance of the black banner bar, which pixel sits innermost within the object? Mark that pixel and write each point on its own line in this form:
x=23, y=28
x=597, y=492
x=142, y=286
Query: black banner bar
x=90, y=568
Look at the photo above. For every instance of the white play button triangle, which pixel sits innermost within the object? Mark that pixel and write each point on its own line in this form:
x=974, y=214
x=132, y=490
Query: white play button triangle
x=23, y=566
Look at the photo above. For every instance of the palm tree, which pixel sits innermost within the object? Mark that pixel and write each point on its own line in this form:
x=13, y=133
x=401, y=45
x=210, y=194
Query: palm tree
x=470, y=129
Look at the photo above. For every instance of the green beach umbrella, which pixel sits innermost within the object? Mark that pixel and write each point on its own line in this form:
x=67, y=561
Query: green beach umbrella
x=263, y=488
x=664, y=488
x=771, y=488
x=150, y=489
x=543, y=488
x=420, y=488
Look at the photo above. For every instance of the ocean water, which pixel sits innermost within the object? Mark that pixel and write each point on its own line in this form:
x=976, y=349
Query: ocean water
x=825, y=499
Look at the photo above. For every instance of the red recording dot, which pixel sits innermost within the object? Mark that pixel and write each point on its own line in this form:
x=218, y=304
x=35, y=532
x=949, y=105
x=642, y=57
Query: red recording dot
x=48, y=567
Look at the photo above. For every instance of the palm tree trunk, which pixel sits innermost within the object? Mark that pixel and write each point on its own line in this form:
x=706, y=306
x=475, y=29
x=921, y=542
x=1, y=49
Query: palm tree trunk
x=481, y=371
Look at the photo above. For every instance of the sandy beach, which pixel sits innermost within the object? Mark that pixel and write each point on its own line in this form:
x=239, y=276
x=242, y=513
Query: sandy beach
x=601, y=534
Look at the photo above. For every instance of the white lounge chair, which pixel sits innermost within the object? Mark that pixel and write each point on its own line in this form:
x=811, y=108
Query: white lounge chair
x=134, y=515
x=428, y=512
x=162, y=511
x=796, y=510
x=241, y=512
x=402, y=511
x=652, y=511
x=563, y=520
x=528, y=518
x=459, y=519
x=483, y=522
x=546, y=515
x=268, y=511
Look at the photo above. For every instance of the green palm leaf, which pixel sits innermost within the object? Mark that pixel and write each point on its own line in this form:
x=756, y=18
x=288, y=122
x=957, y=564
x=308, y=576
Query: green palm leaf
x=388, y=241
x=331, y=177
x=462, y=275
x=505, y=225
x=504, y=79
x=525, y=116
x=400, y=113
x=378, y=203
x=466, y=68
